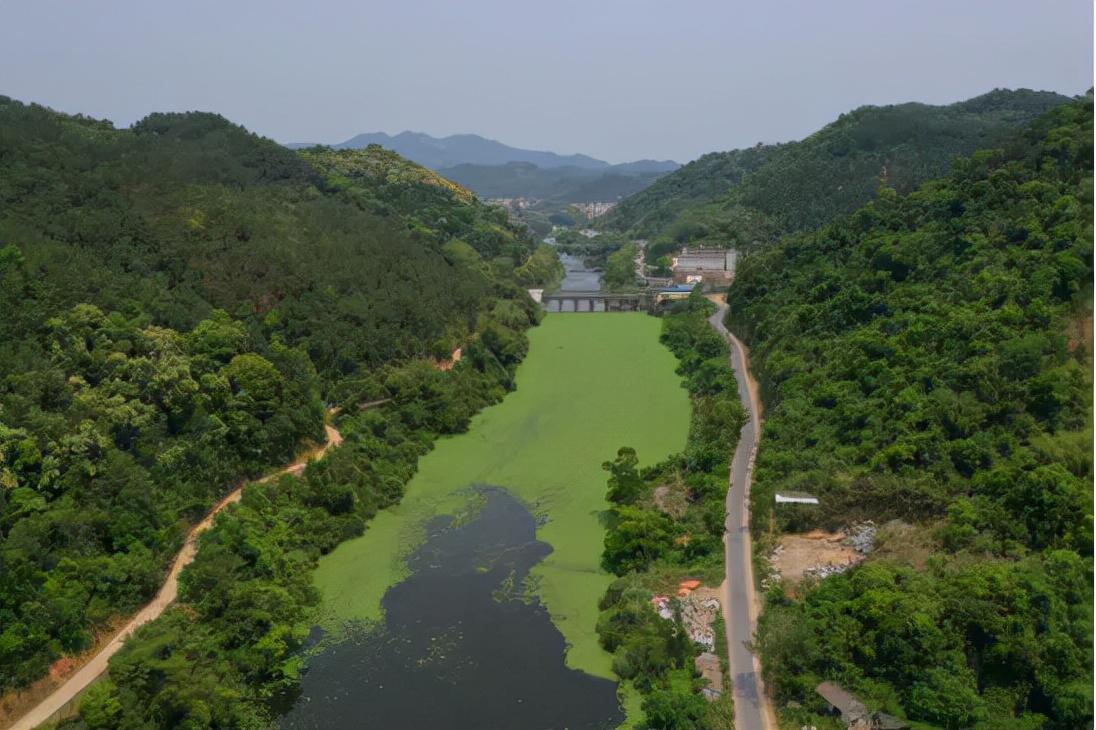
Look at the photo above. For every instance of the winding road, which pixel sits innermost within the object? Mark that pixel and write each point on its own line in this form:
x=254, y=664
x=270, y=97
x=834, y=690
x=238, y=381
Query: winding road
x=91, y=671
x=752, y=710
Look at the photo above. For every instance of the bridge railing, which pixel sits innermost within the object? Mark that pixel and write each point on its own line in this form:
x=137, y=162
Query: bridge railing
x=596, y=301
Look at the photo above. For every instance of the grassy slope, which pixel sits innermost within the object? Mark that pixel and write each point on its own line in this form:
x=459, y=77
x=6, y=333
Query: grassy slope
x=590, y=384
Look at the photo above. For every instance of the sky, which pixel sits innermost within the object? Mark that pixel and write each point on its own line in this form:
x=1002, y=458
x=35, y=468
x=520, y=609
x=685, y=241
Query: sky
x=618, y=80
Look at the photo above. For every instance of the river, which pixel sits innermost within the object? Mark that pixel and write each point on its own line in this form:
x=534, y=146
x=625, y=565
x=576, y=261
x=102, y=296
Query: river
x=459, y=648
x=473, y=603
x=578, y=277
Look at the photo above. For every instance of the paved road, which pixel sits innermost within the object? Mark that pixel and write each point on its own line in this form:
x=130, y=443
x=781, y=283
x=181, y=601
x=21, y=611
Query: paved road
x=88, y=673
x=751, y=708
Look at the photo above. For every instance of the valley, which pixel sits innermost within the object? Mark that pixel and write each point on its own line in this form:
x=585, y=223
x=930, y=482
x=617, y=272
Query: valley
x=500, y=511
x=537, y=187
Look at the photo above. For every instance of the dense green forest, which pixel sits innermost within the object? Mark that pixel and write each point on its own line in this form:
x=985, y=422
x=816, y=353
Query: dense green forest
x=756, y=194
x=620, y=269
x=929, y=359
x=654, y=542
x=227, y=653
x=180, y=300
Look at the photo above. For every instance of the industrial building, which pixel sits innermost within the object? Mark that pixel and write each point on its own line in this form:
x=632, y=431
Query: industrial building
x=710, y=265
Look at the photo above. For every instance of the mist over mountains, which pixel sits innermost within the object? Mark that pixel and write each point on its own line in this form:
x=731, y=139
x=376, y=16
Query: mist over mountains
x=439, y=153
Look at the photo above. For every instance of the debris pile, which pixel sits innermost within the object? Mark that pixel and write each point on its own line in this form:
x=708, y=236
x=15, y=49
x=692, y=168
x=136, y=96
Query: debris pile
x=708, y=666
x=772, y=577
x=825, y=571
x=819, y=554
x=699, y=609
x=861, y=537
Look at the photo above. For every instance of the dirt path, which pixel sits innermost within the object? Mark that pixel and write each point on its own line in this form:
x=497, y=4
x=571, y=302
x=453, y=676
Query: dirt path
x=95, y=666
x=752, y=708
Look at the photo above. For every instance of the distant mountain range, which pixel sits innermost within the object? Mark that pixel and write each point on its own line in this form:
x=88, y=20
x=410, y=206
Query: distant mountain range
x=472, y=149
x=558, y=184
x=496, y=170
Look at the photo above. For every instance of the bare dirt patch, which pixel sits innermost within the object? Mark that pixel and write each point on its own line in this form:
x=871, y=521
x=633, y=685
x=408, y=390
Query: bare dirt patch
x=797, y=556
x=908, y=544
x=448, y=364
x=1079, y=332
x=17, y=702
x=62, y=668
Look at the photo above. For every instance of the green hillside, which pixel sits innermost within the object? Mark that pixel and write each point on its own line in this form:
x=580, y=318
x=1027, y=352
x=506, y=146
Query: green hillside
x=755, y=194
x=926, y=359
x=179, y=299
x=554, y=184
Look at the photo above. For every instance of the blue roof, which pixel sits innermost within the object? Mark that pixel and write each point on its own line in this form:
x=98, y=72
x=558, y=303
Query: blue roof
x=682, y=288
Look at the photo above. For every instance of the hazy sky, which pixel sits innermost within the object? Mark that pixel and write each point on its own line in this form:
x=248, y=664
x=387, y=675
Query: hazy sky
x=614, y=79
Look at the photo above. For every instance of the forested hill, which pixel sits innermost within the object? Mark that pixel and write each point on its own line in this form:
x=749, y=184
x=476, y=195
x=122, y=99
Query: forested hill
x=177, y=298
x=755, y=194
x=929, y=359
x=341, y=252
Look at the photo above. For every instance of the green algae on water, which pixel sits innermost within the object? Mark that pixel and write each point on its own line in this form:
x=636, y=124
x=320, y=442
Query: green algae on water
x=590, y=384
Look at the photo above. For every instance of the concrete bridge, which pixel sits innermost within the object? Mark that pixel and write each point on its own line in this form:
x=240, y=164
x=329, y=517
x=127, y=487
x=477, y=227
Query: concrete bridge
x=649, y=300
x=596, y=301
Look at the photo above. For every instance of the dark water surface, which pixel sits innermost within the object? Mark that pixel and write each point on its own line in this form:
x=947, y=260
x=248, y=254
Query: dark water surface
x=578, y=277
x=459, y=649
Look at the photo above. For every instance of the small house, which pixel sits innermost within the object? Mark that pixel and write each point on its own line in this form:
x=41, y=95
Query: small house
x=854, y=713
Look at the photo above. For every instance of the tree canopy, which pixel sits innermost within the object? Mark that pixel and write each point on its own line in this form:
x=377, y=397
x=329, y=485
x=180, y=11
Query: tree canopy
x=180, y=301
x=926, y=359
x=754, y=195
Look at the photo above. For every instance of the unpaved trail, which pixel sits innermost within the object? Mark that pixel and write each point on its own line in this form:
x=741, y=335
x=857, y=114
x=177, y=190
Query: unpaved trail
x=752, y=709
x=88, y=673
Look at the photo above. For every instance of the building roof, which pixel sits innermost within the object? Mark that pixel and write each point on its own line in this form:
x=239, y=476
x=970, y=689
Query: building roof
x=706, y=251
x=795, y=498
x=850, y=707
x=853, y=710
x=883, y=721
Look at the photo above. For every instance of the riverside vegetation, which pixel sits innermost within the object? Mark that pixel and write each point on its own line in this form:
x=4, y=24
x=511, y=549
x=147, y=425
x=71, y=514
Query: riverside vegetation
x=652, y=548
x=926, y=359
x=180, y=299
x=227, y=652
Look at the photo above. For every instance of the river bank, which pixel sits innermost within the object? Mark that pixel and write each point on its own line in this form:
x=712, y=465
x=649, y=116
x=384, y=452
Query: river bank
x=460, y=631
x=589, y=385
